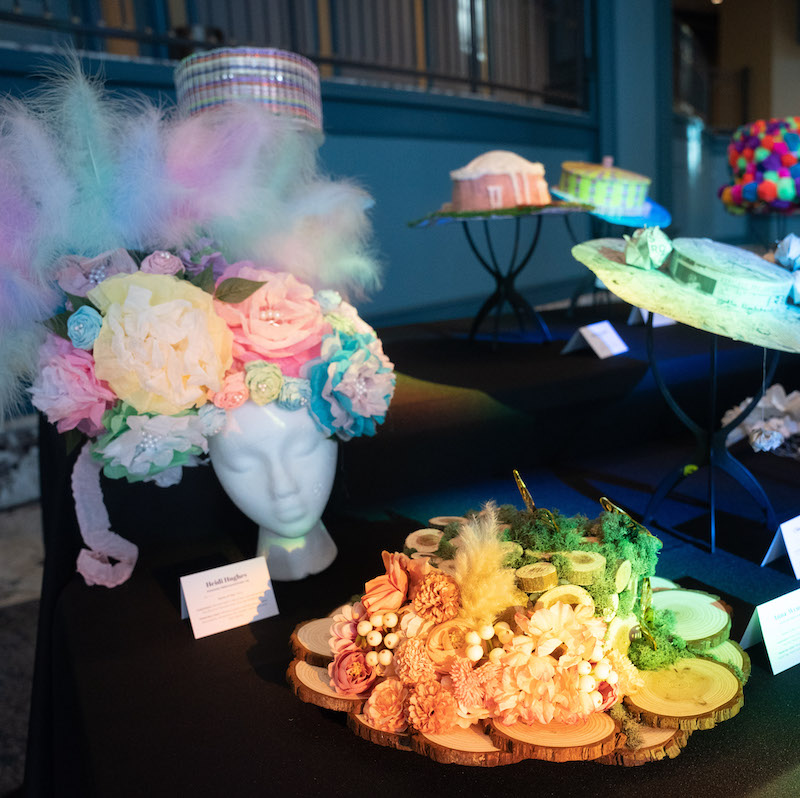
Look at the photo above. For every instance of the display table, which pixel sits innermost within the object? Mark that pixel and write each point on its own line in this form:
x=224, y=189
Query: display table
x=141, y=708
x=504, y=276
x=776, y=330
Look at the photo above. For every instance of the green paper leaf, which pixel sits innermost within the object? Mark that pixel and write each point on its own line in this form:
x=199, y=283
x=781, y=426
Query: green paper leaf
x=73, y=438
x=204, y=280
x=58, y=324
x=236, y=289
x=80, y=301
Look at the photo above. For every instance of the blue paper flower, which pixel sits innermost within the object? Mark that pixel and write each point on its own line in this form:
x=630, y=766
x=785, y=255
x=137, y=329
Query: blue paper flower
x=83, y=327
x=352, y=384
x=295, y=393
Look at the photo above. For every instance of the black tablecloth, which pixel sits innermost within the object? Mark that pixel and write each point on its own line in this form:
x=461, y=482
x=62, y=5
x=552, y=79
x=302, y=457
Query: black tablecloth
x=141, y=708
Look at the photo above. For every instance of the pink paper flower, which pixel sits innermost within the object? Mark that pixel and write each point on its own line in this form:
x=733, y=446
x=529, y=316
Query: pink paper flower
x=79, y=275
x=350, y=674
x=384, y=709
x=233, y=392
x=66, y=389
x=343, y=628
x=280, y=322
x=387, y=592
x=160, y=262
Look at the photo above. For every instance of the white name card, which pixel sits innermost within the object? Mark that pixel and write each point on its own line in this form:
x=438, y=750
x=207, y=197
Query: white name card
x=777, y=623
x=601, y=337
x=226, y=597
x=640, y=316
x=786, y=541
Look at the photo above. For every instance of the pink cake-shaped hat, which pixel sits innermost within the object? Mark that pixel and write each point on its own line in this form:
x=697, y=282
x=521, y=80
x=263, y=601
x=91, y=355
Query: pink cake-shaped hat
x=286, y=83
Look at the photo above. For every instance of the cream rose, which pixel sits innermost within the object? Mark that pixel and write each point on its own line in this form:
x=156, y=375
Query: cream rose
x=162, y=347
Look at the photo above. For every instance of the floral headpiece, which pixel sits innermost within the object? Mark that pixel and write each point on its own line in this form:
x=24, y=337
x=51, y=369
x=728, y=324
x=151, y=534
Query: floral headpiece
x=148, y=356
x=151, y=352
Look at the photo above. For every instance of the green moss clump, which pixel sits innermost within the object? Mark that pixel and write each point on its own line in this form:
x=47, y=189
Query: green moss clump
x=670, y=647
x=623, y=539
x=630, y=727
x=626, y=601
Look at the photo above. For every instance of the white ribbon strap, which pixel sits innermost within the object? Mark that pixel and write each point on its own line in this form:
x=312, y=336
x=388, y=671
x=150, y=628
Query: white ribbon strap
x=94, y=563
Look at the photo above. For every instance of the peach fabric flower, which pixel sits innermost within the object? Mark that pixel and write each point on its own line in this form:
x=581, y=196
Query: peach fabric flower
x=343, y=629
x=438, y=597
x=384, y=708
x=446, y=643
x=417, y=570
x=350, y=674
x=280, y=322
x=387, y=592
x=233, y=393
x=467, y=687
x=431, y=709
x=570, y=632
x=412, y=663
x=161, y=347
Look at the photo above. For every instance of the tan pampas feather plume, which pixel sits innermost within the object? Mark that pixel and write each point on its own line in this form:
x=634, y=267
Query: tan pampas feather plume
x=487, y=588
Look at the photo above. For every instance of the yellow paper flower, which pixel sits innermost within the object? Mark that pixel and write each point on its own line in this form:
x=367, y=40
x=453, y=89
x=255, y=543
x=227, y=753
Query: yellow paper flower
x=162, y=347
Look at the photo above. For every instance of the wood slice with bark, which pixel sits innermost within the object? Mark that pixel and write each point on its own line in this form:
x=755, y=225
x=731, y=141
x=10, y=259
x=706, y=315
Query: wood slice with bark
x=655, y=744
x=471, y=746
x=701, y=619
x=731, y=653
x=309, y=641
x=598, y=735
x=692, y=694
x=311, y=684
x=361, y=727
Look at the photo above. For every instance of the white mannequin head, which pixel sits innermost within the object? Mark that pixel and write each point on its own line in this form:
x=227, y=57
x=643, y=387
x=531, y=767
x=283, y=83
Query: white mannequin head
x=278, y=468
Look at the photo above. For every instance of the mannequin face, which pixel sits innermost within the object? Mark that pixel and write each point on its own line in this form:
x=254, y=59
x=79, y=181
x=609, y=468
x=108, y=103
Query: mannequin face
x=276, y=466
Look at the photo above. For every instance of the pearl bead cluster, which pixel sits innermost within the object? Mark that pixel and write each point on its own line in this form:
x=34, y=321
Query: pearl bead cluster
x=98, y=273
x=475, y=640
x=270, y=316
x=147, y=443
x=377, y=631
x=591, y=674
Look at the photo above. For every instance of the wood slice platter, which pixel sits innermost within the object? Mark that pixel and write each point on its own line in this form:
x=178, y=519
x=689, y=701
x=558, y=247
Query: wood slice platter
x=311, y=684
x=701, y=619
x=659, y=583
x=693, y=694
x=594, y=737
x=310, y=641
x=655, y=744
x=731, y=653
x=470, y=746
x=361, y=727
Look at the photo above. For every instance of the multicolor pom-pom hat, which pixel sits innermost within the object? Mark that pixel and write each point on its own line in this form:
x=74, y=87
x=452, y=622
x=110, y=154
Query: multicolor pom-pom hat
x=764, y=159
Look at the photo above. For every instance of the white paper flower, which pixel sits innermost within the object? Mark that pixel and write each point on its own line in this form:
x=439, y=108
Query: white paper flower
x=152, y=441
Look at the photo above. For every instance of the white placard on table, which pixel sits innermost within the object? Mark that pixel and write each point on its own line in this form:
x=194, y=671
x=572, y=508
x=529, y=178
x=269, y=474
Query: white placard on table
x=229, y=596
x=600, y=337
x=786, y=541
x=777, y=623
x=640, y=316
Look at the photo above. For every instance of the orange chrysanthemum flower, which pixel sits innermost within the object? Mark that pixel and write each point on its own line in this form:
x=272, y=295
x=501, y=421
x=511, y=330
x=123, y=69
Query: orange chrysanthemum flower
x=438, y=597
x=431, y=709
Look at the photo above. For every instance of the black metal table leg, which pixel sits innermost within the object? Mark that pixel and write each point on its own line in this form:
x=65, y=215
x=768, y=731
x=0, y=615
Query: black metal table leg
x=505, y=291
x=710, y=443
